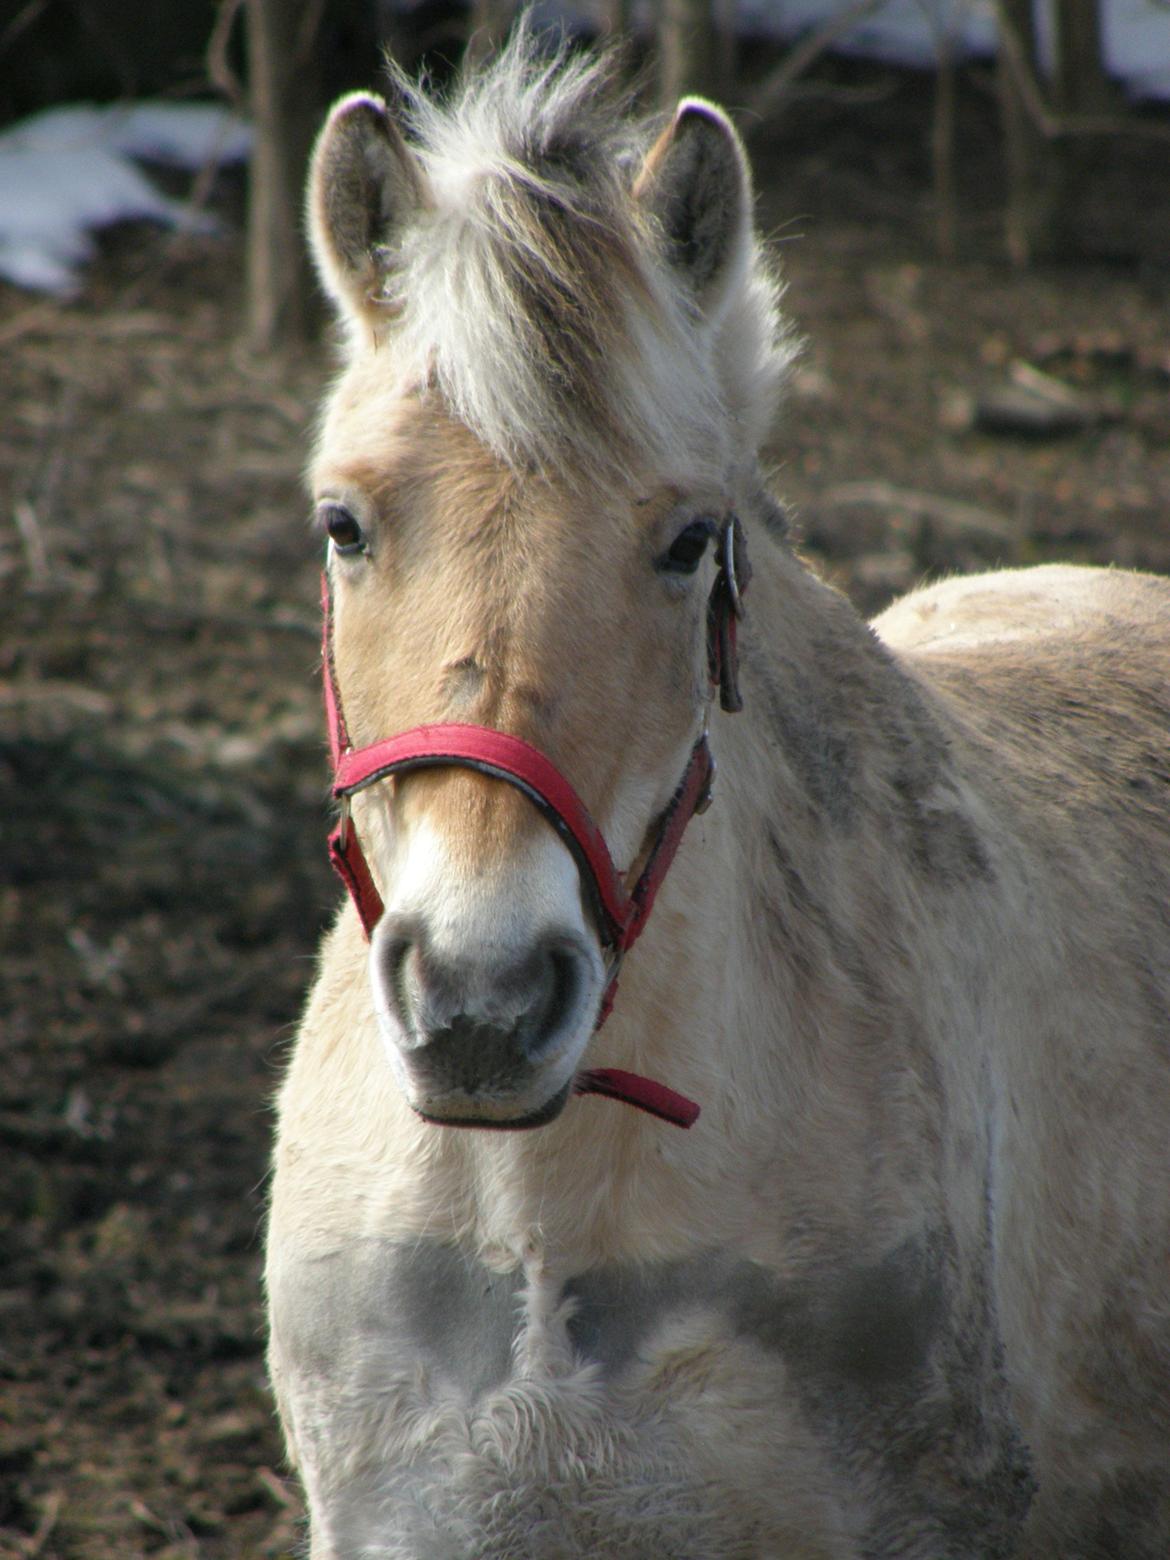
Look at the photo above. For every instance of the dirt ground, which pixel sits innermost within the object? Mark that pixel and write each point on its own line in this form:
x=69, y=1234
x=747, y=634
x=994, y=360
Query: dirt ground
x=162, y=821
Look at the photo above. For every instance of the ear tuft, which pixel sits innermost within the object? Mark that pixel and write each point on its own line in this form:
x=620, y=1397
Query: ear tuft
x=696, y=182
x=365, y=185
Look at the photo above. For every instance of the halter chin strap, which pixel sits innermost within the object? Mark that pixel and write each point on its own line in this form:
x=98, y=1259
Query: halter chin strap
x=620, y=913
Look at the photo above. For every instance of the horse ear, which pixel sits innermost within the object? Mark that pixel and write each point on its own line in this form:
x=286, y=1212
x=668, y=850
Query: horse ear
x=365, y=185
x=696, y=182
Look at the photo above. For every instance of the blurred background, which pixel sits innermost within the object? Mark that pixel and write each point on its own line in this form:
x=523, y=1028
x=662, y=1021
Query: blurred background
x=971, y=205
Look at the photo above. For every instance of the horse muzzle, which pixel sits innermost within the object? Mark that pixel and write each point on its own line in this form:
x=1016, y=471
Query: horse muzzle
x=491, y=1041
x=499, y=1049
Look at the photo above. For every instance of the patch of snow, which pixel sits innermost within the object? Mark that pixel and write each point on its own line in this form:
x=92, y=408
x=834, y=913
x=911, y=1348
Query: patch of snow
x=900, y=32
x=186, y=135
x=1135, y=34
x=68, y=171
x=1136, y=43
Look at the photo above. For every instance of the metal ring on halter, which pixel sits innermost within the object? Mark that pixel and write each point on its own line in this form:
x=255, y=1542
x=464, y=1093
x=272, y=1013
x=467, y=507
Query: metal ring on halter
x=707, y=794
x=343, y=822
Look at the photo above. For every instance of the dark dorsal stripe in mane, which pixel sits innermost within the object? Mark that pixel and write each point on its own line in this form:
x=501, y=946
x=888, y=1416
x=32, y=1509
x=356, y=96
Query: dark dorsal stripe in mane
x=543, y=251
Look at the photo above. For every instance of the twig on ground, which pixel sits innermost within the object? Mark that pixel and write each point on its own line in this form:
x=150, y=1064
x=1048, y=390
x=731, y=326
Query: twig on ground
x=161, y=618
x=33, y=1546
x=278, y=1489
x=32, y=540
x=953, y=514
x=29, y=321
x=55, y=692
x=1032, y=404
x=1036, y=382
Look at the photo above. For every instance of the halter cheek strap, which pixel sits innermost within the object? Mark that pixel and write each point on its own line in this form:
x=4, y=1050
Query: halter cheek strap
x=620, y=914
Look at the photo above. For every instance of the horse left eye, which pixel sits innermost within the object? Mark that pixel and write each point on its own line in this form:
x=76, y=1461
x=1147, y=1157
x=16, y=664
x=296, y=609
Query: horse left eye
x=342, y=528
x=685, y=553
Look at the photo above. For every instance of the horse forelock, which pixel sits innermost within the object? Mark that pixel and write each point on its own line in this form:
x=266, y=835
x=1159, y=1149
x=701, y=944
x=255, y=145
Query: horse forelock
x=531, y=292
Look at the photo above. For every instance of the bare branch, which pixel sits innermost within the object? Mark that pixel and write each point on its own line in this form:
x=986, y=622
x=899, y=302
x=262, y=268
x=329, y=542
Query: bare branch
x=21, y=22
x=1054, y=126
x=307, y=31
x=774, y=89
x=223, y=77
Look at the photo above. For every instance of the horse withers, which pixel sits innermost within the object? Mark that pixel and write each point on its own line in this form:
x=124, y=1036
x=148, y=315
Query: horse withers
x=903, y=1288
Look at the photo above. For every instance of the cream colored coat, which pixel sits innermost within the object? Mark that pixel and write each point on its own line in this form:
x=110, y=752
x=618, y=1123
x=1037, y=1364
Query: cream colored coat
x=903, y=1291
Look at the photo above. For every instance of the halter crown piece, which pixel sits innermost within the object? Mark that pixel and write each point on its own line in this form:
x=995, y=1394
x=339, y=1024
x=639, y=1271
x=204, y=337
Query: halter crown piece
x=620, y=913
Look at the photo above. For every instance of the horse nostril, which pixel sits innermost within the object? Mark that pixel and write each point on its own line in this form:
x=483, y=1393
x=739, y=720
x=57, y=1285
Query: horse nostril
x=556, y=994
x=402, y=985
x=526, y=1004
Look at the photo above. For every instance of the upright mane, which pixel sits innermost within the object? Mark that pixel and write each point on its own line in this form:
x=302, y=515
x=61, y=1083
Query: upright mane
x=532, y=288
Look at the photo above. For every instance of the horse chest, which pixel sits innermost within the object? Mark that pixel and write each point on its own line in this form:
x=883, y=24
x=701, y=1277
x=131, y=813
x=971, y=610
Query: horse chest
x=469, y=1330
x=690, y=1408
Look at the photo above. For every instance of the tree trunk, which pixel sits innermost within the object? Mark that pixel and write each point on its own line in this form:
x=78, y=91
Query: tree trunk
x=687, y=49
x=489, y=23
x=1029, y=163
x=942, y=150
x=1081, y=89
x=284, y=101
x=1048, y=127
x=1081, y=85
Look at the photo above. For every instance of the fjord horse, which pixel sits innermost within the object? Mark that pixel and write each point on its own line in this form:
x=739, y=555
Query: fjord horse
x=903, y=1287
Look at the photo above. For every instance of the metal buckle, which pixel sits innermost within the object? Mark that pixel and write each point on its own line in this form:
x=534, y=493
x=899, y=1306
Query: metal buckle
x=707, y=795
x=343, y=822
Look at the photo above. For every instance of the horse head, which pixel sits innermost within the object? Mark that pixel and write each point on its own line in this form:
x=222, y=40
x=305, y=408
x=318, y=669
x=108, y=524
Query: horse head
x=557, y=348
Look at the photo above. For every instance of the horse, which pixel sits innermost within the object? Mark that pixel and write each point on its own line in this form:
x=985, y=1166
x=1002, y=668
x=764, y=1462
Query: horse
x=841, y=1228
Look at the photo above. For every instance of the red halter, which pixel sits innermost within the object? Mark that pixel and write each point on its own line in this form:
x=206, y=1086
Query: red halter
x=620, y=913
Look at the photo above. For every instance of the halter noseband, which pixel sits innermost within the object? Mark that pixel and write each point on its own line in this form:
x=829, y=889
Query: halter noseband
x=620, y=913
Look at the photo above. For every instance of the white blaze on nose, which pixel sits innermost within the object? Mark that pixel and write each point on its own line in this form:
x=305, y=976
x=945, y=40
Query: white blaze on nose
x=471, y=912
x=482, y=923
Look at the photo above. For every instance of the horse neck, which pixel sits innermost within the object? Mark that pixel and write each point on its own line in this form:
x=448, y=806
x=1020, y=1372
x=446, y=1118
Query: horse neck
x=834, y=798
x=834, y=727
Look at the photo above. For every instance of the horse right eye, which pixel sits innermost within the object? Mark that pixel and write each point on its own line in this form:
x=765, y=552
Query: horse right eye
x=342, y=528
x=685, y=553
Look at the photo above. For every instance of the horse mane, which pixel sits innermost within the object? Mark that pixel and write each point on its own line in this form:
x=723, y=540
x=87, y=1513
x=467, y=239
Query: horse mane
x=532, y=291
